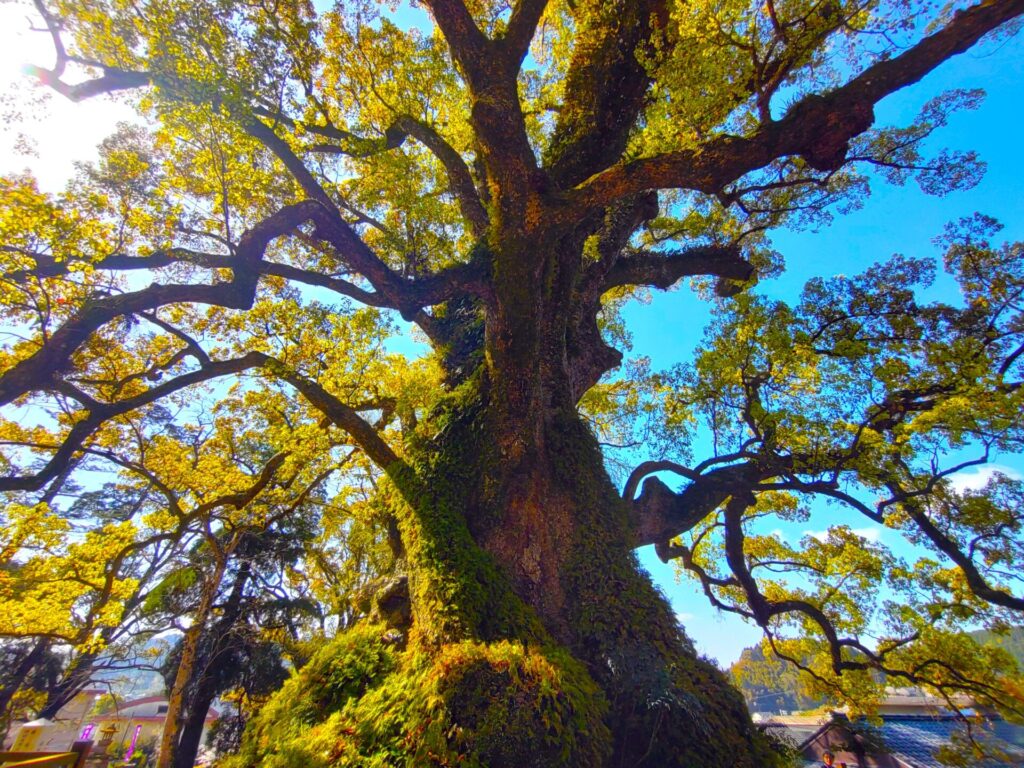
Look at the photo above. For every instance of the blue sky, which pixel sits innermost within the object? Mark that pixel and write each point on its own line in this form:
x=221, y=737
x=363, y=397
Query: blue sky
x=893, y=220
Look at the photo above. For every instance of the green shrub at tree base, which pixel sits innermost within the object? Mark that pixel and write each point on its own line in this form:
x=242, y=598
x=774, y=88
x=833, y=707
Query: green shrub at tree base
x=360, y=702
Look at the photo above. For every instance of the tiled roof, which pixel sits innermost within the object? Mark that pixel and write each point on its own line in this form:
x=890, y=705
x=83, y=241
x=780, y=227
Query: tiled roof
x=916, y=739
x=912, y=739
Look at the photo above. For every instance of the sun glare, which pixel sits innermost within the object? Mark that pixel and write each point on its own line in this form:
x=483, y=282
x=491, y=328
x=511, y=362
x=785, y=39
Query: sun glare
x=40, y=132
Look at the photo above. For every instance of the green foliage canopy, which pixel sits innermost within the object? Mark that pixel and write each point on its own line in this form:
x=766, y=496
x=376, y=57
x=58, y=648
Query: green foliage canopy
x=206, y=311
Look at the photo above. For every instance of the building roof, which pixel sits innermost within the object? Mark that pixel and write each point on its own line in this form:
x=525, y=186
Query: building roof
x=916, y=739
x=794, y=734
x=913, y=740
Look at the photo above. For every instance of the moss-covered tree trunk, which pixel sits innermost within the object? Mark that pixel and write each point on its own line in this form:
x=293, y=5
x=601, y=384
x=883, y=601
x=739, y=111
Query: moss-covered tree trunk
x=541, y=552
x=535, y=638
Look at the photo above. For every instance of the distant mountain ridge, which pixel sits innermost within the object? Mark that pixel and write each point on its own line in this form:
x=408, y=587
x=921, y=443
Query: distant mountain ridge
x=1012, y=642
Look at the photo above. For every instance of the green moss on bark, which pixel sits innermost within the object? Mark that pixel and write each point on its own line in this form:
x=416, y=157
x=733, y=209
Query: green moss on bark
x=480, y=705
x=291, y=729
x=458, y=591
x=669, y=706
x=481, y=680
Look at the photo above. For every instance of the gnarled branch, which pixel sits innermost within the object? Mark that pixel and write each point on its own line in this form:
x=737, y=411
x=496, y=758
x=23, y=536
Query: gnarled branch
x=818, y=128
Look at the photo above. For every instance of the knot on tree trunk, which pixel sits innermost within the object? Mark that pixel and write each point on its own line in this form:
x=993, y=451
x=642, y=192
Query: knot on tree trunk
x=386, y=600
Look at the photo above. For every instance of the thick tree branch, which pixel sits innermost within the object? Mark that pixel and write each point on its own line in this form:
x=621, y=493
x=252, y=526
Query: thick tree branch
x=99, y=413
x=422, y=292
x=344, y=239
x=341, y=235
x=326, y=131
x=659, y=514
x=112, y=80
x=343, y=416
x=521, y=27
x=266, y=136
x=46, y=266
x=191, y=345
x=495, y=111
x=242, y=499
x=332, y=228
x=665, y=269
x=605, y=87
x=469, y=46
x=818, y=128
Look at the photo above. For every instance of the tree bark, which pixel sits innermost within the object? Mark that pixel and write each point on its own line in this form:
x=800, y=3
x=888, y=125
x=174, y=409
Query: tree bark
x=513, y=533
x=539, y=550
x=202, y=684
x=192, y=729
x=17, y=677
x=189, y=647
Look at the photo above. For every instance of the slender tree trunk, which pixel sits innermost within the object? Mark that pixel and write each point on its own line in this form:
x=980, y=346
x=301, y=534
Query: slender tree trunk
x=192, y=730
x=189, y=647
x=74, y=680
x=202, y=683
x=17, y=677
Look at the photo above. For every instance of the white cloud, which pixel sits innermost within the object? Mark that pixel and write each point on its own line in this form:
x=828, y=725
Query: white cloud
x=683, y=616
x=871, y=533
x=976, y=478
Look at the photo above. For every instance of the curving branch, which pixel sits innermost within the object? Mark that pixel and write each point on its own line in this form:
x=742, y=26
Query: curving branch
x=237, y=293
x=266, y=136
x=393, y=289
x=412, y=294
x=817, y=128
x=912, y=503
x=241, y=499
x=659, y=514
x=192, y=346
x=460, y=181
x=112, y=80
x=99, y=413
x=341, y=415
x=47, y=266
x=330, y=221
x=398, y=293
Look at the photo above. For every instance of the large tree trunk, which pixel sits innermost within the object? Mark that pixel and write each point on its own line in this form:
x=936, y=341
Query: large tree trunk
x=536, y=640
x=495, y=545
